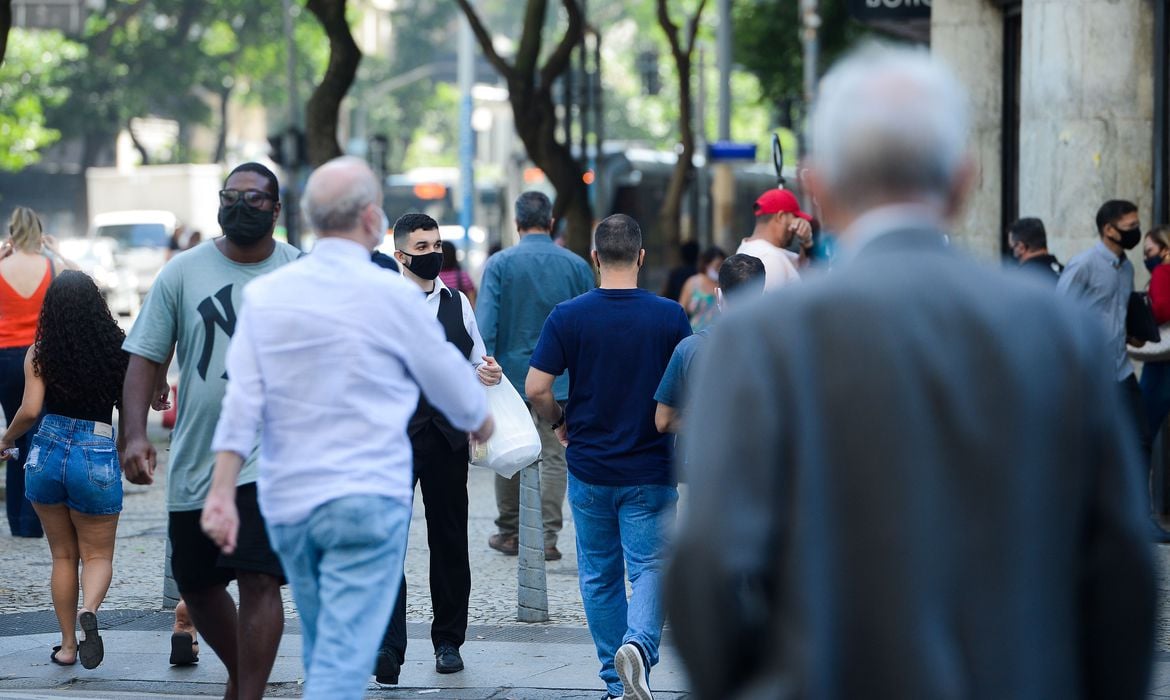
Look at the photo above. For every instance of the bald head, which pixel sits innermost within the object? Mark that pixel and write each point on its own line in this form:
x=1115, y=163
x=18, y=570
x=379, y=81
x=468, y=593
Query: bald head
x=338, y=195
x=890, y=125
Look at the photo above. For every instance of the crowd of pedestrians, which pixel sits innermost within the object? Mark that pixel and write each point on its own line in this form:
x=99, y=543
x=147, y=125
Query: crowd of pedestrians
x=912, y=476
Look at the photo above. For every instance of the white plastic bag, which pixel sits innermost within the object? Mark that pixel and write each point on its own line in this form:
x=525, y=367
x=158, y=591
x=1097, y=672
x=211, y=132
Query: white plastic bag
x=514, y=444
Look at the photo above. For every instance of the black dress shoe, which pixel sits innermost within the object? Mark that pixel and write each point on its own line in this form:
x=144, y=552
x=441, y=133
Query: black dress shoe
x=447, y=659
x=386, y=668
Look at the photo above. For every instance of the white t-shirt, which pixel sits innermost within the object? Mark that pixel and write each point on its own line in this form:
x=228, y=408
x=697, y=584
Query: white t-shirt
x=778, y=267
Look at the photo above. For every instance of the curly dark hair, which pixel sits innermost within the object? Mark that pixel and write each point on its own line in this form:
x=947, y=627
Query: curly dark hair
x=79, y=344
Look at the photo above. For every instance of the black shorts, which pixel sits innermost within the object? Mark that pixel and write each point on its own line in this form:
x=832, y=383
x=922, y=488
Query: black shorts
x=197, y=564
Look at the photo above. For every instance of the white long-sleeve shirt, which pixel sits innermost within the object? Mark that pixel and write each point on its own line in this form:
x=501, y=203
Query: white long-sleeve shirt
x=326, y=362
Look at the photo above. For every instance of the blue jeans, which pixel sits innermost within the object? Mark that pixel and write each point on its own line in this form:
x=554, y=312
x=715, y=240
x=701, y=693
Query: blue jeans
x=616, y=523
x=74, y=462
x=22, y=519
x=344, y=564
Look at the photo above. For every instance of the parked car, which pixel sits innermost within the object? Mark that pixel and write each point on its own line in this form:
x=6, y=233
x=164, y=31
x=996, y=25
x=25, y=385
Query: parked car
x=140, y=241
x=96, y=258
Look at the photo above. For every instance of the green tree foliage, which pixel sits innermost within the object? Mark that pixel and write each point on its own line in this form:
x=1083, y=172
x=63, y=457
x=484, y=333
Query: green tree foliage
x=28, y=86
x=400, y=96
x=767, y=44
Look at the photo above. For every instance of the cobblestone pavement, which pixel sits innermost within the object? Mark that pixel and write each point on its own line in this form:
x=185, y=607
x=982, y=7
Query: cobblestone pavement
x=141, y=547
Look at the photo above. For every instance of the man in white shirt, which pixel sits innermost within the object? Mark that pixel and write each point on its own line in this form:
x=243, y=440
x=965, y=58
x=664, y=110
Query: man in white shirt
x=440, y=460
x=326, y=363
x=778, y=219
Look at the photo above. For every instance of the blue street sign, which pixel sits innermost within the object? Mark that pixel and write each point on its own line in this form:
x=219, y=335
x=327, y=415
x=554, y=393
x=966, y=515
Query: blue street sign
x=730, y=150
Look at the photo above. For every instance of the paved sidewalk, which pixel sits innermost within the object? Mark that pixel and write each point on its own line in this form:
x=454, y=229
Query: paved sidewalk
x=505, y=659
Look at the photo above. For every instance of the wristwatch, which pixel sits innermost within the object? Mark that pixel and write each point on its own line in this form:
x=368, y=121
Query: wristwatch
x=560, y=421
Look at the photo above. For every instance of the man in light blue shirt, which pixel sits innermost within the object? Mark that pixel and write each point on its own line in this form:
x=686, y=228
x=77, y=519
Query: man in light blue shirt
x=1101, y=279
x=326, y=364
x=520, y=287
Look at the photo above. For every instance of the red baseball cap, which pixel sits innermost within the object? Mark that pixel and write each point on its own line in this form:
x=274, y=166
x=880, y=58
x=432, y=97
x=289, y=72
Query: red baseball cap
x=777, y=201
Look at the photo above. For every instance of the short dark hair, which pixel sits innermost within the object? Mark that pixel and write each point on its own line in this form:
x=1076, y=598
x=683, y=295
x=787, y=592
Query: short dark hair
x=1030, y=232
x=709, y=256
x=1111, y=211
x=741, y=273
x=408, y=223
x=618, y=240
x=252, y=167
x=533, y=211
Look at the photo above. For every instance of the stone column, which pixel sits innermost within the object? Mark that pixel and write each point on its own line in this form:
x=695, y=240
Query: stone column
x=968, y=36
x=1086, y=118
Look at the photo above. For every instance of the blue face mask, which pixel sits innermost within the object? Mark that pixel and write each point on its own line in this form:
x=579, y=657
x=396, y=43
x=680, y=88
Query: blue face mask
x=1153, y=262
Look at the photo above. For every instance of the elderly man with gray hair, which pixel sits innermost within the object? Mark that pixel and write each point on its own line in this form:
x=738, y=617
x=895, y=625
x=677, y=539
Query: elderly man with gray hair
x=924, y=487
x=327, y=362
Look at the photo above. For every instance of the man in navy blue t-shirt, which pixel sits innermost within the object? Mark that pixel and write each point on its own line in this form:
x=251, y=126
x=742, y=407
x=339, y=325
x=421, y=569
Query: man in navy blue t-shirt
x=615, y=342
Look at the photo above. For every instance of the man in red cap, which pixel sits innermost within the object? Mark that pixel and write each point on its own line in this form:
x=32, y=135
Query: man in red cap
x=778, y=219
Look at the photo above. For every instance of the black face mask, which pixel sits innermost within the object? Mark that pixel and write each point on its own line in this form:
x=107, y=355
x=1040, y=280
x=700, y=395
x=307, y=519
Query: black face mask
x=245, y=225
x=424, y=265
x=1129, y=239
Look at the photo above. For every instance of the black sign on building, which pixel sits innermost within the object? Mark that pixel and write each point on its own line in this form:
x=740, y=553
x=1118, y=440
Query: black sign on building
x=885, y=10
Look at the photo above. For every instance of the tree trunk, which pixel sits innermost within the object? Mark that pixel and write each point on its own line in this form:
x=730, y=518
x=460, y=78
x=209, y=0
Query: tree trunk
x=670, y=215
x=322, y=110
x=529, y=92
x=5, y=25
x=138, y=145
x=225, y=95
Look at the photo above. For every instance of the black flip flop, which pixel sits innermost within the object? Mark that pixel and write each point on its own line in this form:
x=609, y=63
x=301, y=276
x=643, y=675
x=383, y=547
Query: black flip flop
x=183, y=649
x=54, y=659
x=90, y=650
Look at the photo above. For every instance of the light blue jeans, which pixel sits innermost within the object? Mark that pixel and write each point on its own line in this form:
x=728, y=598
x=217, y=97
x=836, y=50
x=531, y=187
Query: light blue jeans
x=616, y=526
x=344, y=564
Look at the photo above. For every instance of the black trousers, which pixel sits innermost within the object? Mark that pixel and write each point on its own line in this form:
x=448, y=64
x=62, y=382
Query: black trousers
x=442, y=472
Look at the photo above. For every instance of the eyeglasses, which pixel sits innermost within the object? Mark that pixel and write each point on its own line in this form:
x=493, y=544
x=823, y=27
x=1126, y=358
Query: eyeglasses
x=253, y=198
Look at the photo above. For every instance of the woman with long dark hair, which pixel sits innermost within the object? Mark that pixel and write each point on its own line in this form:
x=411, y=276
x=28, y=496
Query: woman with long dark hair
x=73, y=374
x=453, y=275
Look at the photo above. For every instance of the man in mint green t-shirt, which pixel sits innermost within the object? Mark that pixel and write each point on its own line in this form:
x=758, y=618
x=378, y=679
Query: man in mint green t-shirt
x=191, y=311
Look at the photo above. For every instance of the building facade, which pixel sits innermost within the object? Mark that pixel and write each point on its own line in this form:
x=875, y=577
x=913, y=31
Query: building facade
x=1070, y=110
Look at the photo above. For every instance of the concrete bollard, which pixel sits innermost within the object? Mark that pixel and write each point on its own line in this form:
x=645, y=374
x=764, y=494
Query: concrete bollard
x=532, y=588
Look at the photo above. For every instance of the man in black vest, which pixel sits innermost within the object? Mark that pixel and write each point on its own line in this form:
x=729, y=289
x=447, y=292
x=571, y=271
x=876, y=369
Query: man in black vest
x=440, y=460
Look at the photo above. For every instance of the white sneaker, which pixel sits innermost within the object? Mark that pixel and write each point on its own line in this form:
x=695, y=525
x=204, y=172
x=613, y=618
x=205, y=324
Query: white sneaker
x=632, y=671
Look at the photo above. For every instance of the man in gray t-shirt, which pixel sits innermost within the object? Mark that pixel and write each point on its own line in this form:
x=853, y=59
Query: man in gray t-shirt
x=191, y=312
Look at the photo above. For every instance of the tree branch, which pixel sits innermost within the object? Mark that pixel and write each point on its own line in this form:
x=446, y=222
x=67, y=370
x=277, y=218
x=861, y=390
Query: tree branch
x=5, y=25
x=668, y=25
x=100, y=43
x=531, y=37
x=560, y=58
x=485, y=40
x=693, y=27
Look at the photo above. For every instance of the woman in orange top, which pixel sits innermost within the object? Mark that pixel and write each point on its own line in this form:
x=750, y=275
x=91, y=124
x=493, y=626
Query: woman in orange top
x=25, y=273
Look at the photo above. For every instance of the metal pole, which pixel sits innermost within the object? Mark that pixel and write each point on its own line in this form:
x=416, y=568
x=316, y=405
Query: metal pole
x=291, y=142
x=466, y=74
x=811, y=22
x=723, y=58
x=702, y=183
x=723, y=182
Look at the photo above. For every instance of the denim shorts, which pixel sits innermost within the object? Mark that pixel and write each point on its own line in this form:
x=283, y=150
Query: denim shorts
x=74, y=462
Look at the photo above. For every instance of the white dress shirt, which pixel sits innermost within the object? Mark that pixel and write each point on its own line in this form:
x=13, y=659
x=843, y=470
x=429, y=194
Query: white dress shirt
x=326, y=362
x=477, y=347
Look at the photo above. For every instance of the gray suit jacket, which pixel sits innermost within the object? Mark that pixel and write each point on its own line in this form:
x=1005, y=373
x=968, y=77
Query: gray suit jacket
x=912, y=478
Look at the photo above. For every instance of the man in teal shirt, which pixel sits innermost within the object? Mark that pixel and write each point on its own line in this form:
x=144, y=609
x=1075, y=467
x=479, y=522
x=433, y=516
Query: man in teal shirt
x=520, y=287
